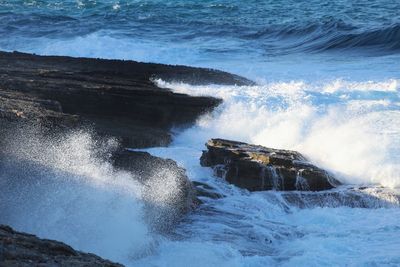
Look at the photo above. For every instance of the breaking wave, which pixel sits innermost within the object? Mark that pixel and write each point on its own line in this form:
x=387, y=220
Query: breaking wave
x=347, y=127
x=65, y=188
x=331, y=35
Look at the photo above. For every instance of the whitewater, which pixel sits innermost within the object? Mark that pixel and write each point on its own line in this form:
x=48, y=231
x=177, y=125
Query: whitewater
x=350, y=128
x=327, y=87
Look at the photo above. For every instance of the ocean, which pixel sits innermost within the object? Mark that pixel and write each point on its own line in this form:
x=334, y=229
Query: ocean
x=327, y=79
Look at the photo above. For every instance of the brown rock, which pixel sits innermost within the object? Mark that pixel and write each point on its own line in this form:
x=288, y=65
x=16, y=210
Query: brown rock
x=258, y=168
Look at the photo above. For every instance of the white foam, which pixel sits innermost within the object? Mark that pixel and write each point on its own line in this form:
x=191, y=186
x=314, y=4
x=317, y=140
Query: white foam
x=103, y=44
x=390, y=85
x=356, y=137
x=262, y=229
x=63, y=189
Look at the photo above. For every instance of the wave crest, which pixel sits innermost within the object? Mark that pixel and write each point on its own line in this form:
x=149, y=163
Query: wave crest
x=331, y=35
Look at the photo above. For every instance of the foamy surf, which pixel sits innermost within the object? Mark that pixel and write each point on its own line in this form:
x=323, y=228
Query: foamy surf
x=65, y=188
x=328, y=86
x=77, y=197
x=279, y=228
x=349, y=133
x=349, y=224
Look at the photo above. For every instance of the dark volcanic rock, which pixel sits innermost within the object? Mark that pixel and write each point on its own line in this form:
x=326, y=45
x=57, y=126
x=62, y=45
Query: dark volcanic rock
x=259, y=168
x=21, y=249
x=49, y=96
x=117, y=97
x=18, y=107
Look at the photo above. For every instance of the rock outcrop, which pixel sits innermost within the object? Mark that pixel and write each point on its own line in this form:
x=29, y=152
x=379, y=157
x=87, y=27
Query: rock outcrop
x=23, y=250
x=117, y=98
x=111, y=98
x=258, y=168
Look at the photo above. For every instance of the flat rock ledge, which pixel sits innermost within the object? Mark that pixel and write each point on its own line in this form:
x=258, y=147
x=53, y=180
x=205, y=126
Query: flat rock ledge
x=114, y=97
x=259, y=168
x=21, y=249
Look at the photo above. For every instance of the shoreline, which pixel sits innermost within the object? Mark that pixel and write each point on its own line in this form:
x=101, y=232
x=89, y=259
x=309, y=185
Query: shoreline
x=45, y=98
x=117, y=99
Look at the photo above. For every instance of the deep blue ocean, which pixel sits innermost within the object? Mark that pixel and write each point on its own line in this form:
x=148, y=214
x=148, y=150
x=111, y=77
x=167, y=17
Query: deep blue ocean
x=328, y=85
x=221, y=34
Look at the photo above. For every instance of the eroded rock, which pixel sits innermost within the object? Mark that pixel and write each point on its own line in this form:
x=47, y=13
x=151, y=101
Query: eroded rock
x=258, y=168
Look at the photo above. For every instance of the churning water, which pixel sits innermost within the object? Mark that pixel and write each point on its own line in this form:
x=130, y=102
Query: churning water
x=328, y=85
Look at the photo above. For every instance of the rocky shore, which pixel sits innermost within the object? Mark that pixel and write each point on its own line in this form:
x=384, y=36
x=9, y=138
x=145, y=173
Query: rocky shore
x=119, y=100
x=111, y=99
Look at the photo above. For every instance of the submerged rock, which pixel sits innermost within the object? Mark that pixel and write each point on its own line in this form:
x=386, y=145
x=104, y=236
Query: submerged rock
x=353, y=197
x=258, y=168
x=204, y=190
x=168, y=192
x=22, y=249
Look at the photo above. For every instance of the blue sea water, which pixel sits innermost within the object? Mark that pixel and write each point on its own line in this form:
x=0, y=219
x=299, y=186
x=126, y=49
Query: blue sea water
x=265, y=37
x=328, y=85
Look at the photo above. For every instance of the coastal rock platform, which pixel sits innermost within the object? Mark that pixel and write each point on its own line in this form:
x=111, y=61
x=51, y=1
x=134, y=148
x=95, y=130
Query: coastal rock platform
x=117, y=98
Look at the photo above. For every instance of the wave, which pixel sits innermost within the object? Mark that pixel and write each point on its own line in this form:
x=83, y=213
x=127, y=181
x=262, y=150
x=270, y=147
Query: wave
x=198, y=34
x=273, y=228
x=331, y=35
x=388, y=38
x=66, y=188
x=349, y=128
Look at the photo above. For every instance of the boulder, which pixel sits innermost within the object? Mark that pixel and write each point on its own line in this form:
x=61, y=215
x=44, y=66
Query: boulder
x=21, y=249
x=258, y=168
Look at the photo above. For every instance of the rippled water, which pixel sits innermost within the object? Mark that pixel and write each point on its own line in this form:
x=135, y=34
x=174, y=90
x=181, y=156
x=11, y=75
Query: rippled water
x=328, y=85
x=258, y=34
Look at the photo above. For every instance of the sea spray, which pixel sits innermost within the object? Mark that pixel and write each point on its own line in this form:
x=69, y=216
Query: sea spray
x=64, y=187
x=329, y=88
x=240, y=229
x=350, y=133
x=294, y=228
x=258, y=229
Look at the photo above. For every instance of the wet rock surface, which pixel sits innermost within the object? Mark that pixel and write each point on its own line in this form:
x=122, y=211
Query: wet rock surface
x=118, y=98
x=258, y=168
x=21, y=249
x=109, y=98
